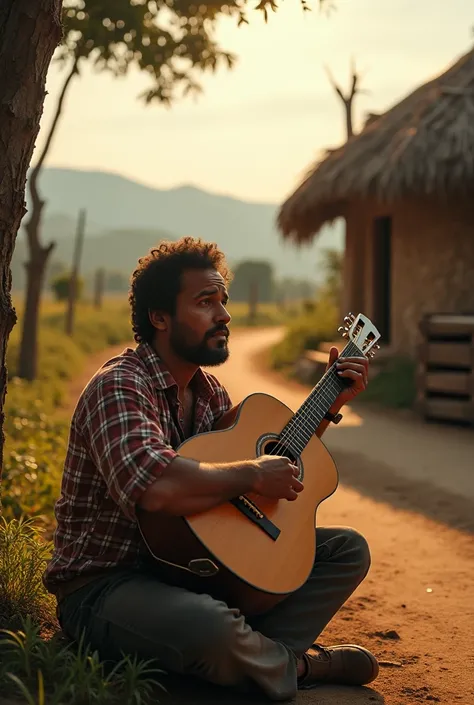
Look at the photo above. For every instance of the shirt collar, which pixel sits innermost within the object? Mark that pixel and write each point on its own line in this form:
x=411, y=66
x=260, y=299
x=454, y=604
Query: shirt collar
x=162, y=377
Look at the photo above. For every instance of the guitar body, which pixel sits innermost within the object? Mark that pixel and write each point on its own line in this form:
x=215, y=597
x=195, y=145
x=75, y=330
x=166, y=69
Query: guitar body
x=256, y=551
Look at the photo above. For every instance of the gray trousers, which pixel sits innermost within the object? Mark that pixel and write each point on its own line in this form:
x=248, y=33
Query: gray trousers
x=194, y=634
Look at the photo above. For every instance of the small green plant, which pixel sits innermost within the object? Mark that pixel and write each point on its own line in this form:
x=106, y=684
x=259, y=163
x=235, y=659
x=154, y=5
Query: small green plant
x=55, y=672
x=23, y=558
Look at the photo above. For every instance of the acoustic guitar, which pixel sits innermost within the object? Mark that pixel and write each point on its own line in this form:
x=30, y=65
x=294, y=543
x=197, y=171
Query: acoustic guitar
x=252, y=552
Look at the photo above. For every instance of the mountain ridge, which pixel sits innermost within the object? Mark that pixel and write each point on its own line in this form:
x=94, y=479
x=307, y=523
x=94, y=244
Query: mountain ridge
x=243, y=229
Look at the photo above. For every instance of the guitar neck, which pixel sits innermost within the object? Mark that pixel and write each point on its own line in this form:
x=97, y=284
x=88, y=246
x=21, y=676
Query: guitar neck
x=303, y=424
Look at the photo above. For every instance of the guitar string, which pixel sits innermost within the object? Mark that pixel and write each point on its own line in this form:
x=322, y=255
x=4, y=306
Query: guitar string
x=311, y=411
x=308, y=419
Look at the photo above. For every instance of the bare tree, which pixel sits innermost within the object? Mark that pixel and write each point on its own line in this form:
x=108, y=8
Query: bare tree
x=347, y=98
x=29, y=34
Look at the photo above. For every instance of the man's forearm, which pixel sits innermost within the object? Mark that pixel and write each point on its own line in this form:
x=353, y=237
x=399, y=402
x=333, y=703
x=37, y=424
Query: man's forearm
x=190, y=487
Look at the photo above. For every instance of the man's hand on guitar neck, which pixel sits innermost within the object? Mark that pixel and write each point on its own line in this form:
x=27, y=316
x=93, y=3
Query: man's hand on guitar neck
x=353, y=369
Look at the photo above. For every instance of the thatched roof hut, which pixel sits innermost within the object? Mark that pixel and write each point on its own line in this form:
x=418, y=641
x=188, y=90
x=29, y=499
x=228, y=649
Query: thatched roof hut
x=405, y=187
x=423, y=146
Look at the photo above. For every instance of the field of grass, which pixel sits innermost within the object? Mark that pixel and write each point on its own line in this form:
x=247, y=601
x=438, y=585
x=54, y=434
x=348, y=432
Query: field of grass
x=317, y=323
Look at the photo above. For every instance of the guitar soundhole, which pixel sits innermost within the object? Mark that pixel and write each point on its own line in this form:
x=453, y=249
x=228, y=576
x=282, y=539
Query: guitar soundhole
x=275, y=447
x=272, y=445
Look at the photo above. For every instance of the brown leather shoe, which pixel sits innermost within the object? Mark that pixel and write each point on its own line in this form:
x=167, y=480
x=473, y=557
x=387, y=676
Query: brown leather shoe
x=345, y=664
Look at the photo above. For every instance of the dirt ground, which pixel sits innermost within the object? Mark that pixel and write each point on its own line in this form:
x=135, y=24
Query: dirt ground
x=412, y=497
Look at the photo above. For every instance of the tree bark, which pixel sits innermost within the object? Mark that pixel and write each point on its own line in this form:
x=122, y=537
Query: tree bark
x=35, y=271
x=30, y=30
x=38, y=254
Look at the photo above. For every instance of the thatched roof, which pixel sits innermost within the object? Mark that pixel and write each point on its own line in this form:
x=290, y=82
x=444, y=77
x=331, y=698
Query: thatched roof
x=423, y=146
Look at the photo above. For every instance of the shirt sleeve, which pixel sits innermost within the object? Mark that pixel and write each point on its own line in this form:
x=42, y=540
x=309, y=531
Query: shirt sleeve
x=124, y=437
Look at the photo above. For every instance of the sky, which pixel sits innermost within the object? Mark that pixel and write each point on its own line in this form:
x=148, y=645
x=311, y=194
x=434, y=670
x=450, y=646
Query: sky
x=255, y=130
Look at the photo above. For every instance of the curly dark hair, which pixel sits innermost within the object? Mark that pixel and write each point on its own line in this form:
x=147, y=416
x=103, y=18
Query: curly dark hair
x=156, y=282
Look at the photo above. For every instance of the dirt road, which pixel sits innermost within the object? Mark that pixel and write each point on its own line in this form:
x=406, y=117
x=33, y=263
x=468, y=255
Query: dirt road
x=415, y=610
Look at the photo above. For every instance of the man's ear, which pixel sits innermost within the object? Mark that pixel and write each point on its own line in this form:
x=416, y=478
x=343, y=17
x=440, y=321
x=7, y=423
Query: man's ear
x=158, y=320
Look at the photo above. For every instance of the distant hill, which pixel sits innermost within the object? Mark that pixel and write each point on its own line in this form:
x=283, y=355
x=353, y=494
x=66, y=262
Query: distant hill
x=125, y=219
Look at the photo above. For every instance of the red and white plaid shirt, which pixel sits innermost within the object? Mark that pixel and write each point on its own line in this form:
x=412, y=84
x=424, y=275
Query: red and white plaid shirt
x=124, y=431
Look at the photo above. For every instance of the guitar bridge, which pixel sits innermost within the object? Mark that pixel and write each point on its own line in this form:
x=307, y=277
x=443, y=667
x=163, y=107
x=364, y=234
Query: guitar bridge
x=252, y=512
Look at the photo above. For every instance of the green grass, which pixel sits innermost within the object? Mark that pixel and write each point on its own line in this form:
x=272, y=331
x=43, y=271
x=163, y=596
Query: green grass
x=36, y=662
x=394, y=385
x=51, y=672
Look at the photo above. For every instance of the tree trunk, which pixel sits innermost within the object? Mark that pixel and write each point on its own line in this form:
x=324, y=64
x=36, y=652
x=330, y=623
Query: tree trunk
x=253, y=301
x=36, y=267
x=99, y=284
x=30, y=30
x=35, y=271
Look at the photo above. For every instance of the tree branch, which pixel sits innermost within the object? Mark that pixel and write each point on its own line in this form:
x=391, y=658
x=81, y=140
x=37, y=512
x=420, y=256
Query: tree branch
x=37, y=204
x=348, y=98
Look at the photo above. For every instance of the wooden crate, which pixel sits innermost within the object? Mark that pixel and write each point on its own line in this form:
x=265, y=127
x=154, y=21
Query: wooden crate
x=445, y=380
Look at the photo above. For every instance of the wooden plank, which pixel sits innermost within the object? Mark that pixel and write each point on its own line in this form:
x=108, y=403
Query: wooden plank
x=448, y=382
x=449, y=324
x=450, y=354
x=449, y=409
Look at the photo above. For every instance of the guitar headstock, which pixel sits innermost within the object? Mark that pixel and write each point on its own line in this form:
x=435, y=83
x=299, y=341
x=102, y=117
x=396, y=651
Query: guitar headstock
x=361, y=332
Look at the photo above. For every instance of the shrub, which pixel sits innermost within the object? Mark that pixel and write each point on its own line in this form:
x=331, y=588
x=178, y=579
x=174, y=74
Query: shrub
x=307, y=331
x=394, y=385
x=61, y=286
x=23, y=557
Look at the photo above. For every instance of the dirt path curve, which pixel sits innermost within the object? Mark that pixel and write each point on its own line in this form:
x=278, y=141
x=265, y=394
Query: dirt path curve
x=415, y=610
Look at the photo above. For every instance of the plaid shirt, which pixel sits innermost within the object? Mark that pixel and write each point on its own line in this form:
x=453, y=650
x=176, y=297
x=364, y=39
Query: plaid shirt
x=124, y=432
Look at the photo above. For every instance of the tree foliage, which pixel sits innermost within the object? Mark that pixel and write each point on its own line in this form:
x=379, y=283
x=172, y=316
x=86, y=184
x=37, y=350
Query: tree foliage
x=171, y=40
x=249, y=274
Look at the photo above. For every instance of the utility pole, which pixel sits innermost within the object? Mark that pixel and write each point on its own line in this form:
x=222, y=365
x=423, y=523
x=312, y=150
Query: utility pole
x=73, y=283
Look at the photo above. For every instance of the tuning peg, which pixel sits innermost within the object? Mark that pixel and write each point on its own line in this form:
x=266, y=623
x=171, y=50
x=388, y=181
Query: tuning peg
x=376, y=347
x=348, y=320
x=343, y=331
